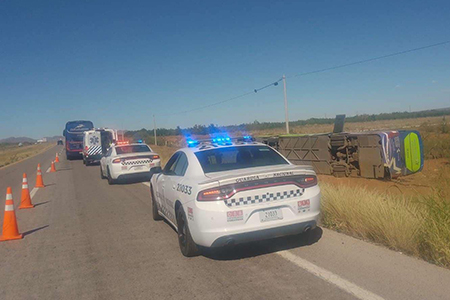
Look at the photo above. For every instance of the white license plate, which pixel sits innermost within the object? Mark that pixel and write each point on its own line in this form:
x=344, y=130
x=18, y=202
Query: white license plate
x=138, y=167
x=271, y=215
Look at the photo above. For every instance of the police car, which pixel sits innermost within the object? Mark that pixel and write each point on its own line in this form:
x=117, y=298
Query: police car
x=128, y=161
x=228, y=191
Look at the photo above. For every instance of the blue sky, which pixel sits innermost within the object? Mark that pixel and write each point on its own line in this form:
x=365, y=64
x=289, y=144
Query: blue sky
x=119, y=62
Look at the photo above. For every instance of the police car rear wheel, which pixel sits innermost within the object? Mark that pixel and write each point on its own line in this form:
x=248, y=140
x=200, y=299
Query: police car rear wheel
x=187, y=246
x=155, y=214
x=110, y=180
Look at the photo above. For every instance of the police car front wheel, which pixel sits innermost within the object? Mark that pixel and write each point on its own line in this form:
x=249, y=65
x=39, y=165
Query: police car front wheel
x=187, y=246
x=155, y=214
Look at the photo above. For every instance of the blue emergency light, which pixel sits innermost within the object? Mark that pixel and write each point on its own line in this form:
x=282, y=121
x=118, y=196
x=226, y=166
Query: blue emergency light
x=191, y=143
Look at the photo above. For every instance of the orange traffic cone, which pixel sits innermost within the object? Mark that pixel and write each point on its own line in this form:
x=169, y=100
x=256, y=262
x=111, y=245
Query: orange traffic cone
x=53, y=167
x=39, y=180
x=10, y=230
x=25, y=201
x=57, y=157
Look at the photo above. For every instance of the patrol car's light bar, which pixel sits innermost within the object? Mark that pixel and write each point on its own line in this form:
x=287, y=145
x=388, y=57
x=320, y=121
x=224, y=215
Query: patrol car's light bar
x=192, y=143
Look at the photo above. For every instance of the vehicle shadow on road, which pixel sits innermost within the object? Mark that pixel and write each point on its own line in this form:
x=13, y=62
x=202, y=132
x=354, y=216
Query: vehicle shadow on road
x=34, y=230
x=264, y=247
x=131, y=181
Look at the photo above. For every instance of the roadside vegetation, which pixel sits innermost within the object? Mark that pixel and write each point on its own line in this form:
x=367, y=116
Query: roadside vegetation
x=417, y=224
x=436, y=139
x=11, y=153
x=164, y=152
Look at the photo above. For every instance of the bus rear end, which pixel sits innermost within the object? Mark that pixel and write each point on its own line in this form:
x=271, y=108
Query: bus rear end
x=74, y=133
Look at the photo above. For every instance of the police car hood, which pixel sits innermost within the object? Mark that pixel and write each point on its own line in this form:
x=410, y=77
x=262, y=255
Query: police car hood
x=257, y=173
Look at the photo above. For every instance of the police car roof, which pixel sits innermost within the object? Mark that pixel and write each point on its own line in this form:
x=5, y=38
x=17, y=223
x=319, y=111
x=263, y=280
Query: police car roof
x=131, y=144
x=202, y=146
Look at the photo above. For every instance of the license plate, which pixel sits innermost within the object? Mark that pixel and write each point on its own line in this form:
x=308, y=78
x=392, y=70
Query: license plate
x=270, y=215
x=138, y=167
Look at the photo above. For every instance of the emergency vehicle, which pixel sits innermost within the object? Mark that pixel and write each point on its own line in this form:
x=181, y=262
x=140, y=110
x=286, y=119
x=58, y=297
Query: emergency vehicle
x=227, y=191
x=128, y=161
x=96, y=143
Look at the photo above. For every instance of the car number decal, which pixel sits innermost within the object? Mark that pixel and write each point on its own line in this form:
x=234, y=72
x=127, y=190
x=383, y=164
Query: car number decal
x=184, y=189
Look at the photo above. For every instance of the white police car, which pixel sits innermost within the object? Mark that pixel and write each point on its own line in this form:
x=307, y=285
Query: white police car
x=128, y=161
x=224, y=192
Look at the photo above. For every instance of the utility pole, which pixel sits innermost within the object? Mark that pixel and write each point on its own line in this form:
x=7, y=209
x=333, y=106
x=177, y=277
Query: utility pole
x=286, y=106
x=154, y=129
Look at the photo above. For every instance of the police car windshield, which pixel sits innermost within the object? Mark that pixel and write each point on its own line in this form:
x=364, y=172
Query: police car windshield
x=232, y=158
x=132, y=149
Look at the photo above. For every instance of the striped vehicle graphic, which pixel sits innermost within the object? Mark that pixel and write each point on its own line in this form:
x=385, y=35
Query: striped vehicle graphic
x=94, y=150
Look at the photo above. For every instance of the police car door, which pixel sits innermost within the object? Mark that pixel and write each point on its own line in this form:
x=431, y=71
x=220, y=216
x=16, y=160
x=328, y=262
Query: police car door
x=176, y=189
x=104, y=161
x=163, y=184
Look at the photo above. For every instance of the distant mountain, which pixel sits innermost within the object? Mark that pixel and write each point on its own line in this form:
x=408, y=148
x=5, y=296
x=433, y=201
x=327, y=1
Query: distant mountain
x=16, y=140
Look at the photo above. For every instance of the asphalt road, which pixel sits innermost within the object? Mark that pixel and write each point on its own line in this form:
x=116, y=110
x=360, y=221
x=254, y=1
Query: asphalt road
x=88, y=240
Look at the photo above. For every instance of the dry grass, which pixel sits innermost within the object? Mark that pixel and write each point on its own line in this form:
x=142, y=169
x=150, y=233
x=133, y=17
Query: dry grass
x=436, y=139
x=411, y=124
x=164, y=152
x=10, y=154
x=417, y=225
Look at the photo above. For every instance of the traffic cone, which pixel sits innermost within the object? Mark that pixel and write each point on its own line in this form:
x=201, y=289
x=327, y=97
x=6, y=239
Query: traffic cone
x=10, y=230
x=57, y=157
x=25, y=201
x=53, y=167
x=39, y=180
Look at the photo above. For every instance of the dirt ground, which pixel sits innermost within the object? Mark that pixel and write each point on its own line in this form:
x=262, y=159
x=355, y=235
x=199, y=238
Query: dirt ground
x=420, y=183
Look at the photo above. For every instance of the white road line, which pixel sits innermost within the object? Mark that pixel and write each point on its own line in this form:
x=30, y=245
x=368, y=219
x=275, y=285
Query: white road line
x=330, y=277
x=48, y=170
x=146, y=183
x=33, y=191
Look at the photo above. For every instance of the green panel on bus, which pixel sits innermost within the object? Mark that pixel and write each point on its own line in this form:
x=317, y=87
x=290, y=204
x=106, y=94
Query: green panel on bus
x=412, y=152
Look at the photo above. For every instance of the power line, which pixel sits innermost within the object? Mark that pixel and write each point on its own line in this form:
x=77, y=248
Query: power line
x=369, y=60
x=226, y=100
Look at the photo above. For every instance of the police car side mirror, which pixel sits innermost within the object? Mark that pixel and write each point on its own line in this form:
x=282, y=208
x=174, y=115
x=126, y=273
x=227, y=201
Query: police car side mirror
x=155, y=170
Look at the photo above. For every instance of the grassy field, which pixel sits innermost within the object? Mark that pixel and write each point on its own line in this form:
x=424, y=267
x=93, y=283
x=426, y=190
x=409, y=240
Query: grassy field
x=164, y=152
x=10, y=154
x=418, y=225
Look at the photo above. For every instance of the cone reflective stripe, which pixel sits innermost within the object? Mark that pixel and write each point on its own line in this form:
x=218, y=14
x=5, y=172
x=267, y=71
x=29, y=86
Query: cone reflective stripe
x=57, y=157
x=52, y=169
x=10, y=229
x=39, y=180
x=25, y=201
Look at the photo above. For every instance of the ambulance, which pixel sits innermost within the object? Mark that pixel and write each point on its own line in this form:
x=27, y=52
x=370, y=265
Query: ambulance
x=96, y=143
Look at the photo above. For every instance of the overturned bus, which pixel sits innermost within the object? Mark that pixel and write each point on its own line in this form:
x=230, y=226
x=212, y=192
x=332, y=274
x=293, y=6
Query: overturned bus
x=376, y=154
